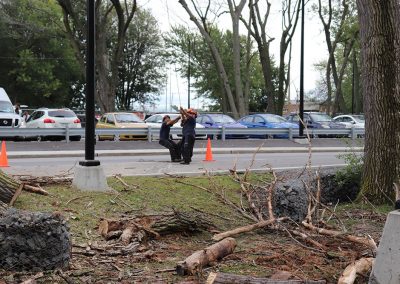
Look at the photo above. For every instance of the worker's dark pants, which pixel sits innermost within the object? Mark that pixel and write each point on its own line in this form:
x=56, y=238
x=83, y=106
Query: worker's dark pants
x=174, y=149
x=187, y=144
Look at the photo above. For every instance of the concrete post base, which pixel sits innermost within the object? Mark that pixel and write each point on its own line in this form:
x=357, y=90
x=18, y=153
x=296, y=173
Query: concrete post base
x=386, y=269
x=90, y=178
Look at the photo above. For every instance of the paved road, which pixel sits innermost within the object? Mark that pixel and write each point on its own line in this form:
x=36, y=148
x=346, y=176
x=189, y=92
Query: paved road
x=200, y=144
x=159, y=164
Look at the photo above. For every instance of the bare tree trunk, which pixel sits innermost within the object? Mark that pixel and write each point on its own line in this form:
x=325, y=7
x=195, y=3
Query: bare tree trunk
x=357, y=93
x=216, y=56
x=339, y=100
x=257, y=28
x=236, y=12
x=289, y=20
x=380, y=46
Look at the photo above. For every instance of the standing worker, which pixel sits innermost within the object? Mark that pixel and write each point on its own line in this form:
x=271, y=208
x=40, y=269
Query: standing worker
x=174, y=149
x=188, y=134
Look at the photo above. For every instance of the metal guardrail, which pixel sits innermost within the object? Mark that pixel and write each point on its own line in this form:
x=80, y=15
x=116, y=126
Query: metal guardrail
x=290, y=133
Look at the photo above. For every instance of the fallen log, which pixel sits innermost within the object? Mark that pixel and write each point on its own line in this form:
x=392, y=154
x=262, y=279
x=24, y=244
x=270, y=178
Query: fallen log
x=35, y=189
x=155, y=225
x=361, y=266
x=247, y=228
x=226, y=278
x=205, y=257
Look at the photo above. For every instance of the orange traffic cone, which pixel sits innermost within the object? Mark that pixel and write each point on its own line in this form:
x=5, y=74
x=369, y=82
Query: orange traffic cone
x=3, y=155
x=209, y=157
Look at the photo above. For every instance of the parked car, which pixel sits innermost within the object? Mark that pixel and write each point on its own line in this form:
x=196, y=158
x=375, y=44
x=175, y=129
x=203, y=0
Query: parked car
x=317, y=120
x=8, y=117
x=214, y=120
x=351, y=120
x=266, y=120
x=155, y=121
x=53, y=118
x=121, y=120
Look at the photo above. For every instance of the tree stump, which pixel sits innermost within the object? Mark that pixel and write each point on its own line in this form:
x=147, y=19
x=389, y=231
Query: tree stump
x=8, y=187
x=33, y=241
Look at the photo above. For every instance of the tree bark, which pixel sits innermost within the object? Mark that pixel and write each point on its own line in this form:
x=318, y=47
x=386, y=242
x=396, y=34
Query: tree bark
x=259, y=34
x=380, y=47
x=202, y=258
x=155, y=224
x=8, y=188
x=3, y=208
x=225, y=278
x=236, y=12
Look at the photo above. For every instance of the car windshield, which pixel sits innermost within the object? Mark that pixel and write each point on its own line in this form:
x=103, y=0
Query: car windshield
x=6, y=107
x=320, y=117
x=127, y=118
x=359, y=118
x=222, y=118
x=270, y=118
x=61, y=113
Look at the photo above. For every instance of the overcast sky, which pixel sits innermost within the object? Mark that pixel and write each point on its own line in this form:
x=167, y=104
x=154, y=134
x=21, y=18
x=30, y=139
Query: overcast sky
x=169, y=13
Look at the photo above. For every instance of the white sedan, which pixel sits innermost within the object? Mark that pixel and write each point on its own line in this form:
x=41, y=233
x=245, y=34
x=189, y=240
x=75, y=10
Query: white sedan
x=54, y=118
x=351, y=120
x=155, y=121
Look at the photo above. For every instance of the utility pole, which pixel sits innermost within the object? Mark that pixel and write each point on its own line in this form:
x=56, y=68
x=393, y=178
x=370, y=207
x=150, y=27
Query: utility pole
x=301, y=126
x=89, y=175
x=90, y=88
x=353, y=86
x=188, y=79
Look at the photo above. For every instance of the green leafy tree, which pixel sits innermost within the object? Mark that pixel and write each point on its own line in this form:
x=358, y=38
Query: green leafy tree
x=204, y=71
x=38, y=67
x=141, y=73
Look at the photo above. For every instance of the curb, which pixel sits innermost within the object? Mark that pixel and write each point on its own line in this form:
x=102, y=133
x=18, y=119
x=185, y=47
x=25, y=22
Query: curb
x=151, y=152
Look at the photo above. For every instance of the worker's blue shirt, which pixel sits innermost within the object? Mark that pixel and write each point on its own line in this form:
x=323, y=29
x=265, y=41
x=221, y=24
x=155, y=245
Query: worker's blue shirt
x=189, y=126
x=164, y=131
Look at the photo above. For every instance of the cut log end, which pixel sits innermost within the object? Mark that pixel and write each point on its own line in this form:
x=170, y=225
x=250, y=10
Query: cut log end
x=202, y=258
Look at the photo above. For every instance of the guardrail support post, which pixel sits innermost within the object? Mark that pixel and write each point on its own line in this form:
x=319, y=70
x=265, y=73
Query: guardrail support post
x=149, y=134
x=223, y=133
x=353, y=133
x=290, y=134
x=67, y=133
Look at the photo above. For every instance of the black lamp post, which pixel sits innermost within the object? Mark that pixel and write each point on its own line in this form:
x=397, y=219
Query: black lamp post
x=189, y=66
x=90, y=88
x=301, y=126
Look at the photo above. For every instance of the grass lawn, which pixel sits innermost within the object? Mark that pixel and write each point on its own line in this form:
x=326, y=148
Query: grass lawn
x=259, y=253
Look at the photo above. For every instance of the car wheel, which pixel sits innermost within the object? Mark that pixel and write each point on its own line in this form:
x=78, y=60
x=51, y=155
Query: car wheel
x=75, y=138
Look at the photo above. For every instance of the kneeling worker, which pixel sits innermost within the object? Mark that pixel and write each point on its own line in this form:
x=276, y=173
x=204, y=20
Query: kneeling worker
x=165, y=140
